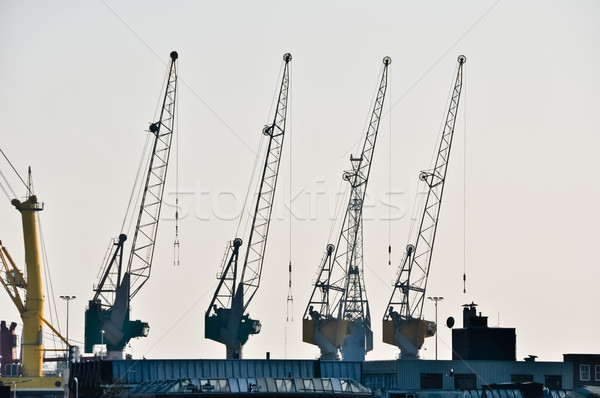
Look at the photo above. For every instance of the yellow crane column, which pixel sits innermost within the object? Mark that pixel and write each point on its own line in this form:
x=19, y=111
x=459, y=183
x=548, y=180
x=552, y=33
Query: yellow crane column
x=33, y=313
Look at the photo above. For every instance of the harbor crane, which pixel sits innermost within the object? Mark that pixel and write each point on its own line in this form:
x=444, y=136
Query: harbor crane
x=226, y=320
x=107, y=316
x=337, y=318
x=403, y=323
x=31, y=304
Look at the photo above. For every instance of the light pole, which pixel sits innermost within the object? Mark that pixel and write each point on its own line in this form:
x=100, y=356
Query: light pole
x=67, y=299
x=15, y=385
x=76, y=387
x=435, y=300
x=102, y=344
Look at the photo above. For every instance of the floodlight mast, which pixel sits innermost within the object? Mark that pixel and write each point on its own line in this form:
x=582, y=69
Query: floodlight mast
x=406, y=328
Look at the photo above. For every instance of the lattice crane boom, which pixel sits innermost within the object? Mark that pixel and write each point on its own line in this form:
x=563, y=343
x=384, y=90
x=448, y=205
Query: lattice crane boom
x=144, y=239
x=107, y=316
x=409, y=329
x=226, y=320
x=339, y=296
x=255, y=252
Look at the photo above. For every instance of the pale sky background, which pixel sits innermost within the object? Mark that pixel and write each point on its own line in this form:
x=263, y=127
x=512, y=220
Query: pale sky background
x=82, y=80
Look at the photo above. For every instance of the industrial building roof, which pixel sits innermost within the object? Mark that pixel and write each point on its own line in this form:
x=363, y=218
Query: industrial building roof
x=251, y=385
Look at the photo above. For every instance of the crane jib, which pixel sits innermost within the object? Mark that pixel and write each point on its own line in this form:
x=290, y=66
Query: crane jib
x=226, y=320
x=403, y=325
x=338, y=304
x=107, y=316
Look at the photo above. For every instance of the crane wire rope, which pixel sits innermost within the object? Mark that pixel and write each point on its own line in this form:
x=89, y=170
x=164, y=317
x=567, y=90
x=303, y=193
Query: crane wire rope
x=389, y=204
x=246, y=216
x=291, y=213
x=142, y=166
x=48, y=281
x=390, y=170
x=341, y=199
x=129, y=215
x=176, y=137
x=290, y=298
x=8, y=186
x=18, y=175
x=368, y=116
x=43, y=246
x=464, y=183
x=420, y=198
x=5, y=193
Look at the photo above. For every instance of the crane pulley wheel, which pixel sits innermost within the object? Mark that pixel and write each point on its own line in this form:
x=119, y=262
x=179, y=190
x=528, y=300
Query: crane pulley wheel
x=267, y=130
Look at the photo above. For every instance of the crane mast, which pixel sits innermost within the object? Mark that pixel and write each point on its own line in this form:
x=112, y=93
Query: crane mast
x=405, y=327
x=337, y=316
x=107, y=317
x=226, y=320
x=32, y=308
x=27, y=293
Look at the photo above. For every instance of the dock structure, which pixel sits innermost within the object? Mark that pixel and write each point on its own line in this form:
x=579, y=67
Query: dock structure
x=380, y=379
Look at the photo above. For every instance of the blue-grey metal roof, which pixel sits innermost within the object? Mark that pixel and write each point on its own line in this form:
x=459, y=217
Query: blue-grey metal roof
x=138, y=371
x=250, y=385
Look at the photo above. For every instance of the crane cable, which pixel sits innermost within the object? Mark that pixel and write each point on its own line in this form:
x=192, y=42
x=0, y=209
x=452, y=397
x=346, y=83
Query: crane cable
x=248, y=218
x=390, y=177
x=244, y=217
x=290, y=298
x=6, y=181
x=176, y=137
x=465, y=187
x=418, y=209
x=8, y=186
x=142, y=166
x=49, y=286
x=342, y=200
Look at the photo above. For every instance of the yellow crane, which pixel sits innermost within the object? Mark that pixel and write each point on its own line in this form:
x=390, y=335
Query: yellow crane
x=32, y=308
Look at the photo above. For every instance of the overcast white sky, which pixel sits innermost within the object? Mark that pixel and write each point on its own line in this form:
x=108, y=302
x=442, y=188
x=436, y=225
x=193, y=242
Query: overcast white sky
x=81, y=80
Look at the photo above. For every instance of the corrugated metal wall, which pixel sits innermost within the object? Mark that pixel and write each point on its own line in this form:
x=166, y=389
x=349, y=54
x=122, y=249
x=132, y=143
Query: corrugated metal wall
x=405, y=374
x=137, y=371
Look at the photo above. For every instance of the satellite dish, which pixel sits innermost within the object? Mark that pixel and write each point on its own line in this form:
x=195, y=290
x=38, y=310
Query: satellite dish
x=450, y=322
